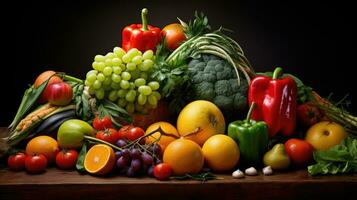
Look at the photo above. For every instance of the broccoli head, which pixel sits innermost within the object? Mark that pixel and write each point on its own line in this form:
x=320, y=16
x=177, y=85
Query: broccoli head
x=215, y=80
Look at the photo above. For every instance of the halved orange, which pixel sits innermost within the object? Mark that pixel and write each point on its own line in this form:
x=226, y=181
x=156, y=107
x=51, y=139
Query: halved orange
x=100, y=159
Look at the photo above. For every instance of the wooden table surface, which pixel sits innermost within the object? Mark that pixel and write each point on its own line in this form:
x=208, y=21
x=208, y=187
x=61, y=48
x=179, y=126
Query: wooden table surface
x=59, y=184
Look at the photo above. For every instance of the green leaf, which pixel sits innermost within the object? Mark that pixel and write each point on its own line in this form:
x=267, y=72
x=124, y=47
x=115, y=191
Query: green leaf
x=341, y=158
x=196, y=27
x=112, y=110
x=28, y=101
x=81, y=157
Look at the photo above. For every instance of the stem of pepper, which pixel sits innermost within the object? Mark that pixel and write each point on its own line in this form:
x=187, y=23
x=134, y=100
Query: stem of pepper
x=250, y=112
x=144, y=19
x=277, y=72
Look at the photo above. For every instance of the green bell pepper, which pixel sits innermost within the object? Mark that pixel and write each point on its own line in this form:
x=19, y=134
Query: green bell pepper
x=252, y=138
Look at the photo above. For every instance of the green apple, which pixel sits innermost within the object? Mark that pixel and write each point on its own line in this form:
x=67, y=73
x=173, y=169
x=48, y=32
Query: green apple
x=71, y=133
x=325, y=135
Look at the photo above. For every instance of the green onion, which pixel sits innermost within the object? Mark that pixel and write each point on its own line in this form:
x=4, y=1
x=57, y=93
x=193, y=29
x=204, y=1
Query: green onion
x=215, y=43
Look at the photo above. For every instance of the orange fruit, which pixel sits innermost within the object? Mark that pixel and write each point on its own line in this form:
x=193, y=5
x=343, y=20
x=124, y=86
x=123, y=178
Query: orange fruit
x=184, y=156
x=43, y=145
x=199, y=120
x=46, y=75
x=221, y=153
x=164, y=139
x=100, y=159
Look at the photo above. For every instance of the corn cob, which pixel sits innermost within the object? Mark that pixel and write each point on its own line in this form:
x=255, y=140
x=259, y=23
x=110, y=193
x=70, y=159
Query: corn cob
x=35, y=116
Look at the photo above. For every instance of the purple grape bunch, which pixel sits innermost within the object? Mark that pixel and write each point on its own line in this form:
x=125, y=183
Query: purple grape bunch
x=137, y=160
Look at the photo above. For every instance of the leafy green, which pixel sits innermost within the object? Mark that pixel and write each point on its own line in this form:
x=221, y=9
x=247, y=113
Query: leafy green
x=196, y=27
x=341, y=158
x=115, y=112
x=81, y=100
x=172, y=76
x=81, y=157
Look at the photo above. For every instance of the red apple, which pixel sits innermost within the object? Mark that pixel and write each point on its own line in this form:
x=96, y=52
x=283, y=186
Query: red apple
x=59, y=94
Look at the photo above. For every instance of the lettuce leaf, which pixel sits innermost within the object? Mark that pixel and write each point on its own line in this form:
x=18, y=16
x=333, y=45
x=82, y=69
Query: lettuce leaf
x=341, y=158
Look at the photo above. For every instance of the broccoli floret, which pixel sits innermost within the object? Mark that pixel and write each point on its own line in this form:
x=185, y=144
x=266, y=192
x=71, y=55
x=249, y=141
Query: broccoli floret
x=223, y=87
x=205, y=90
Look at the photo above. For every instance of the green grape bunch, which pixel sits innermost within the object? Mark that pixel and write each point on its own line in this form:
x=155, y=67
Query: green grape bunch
x=123, y=77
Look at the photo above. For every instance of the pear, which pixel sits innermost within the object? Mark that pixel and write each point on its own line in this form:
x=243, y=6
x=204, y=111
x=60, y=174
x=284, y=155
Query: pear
x=277, y=157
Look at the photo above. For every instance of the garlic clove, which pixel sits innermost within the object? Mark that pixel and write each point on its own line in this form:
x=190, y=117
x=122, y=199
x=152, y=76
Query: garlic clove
x=267, y=171
x=238, y=174
x=251, y=171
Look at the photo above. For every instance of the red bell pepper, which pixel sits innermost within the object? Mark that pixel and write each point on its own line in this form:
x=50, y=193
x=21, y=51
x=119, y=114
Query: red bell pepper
x=275, y=101
x=141, y=36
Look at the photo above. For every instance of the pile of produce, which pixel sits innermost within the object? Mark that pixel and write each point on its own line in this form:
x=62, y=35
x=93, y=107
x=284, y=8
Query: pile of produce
x=183, y=102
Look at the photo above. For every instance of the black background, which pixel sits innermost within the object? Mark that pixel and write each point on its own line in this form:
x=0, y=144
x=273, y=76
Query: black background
x=311, y=39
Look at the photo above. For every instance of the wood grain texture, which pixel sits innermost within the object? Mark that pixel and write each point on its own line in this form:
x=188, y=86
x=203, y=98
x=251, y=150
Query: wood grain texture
x=70, y=184
x=58, y=184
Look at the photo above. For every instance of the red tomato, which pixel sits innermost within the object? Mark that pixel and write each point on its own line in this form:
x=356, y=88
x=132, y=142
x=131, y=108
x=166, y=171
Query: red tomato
x=59, y=94
x=308, y=114
x=102, y=123
x=66, y=159
x=123, y=131
x=162, y=171
x=174, y=35
x=35, y=163
x=299, y=151
x=135, y=133
x=109, y=135
x=16, y=162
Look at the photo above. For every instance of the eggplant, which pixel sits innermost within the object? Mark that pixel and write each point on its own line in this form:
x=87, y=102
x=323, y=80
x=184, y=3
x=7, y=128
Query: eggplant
x=56, y=125
x=55, y=121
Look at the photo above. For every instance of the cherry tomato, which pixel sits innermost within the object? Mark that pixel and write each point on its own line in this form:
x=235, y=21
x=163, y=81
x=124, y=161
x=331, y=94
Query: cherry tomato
x=35, y=163
x=109, y=135
x=16, y=162
x=162, y=171
x=102, y=123
x=135, y=133
x=299, y=151
x=66, y=159
x=174, y=35
x=123, y=131
x=308, y=114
